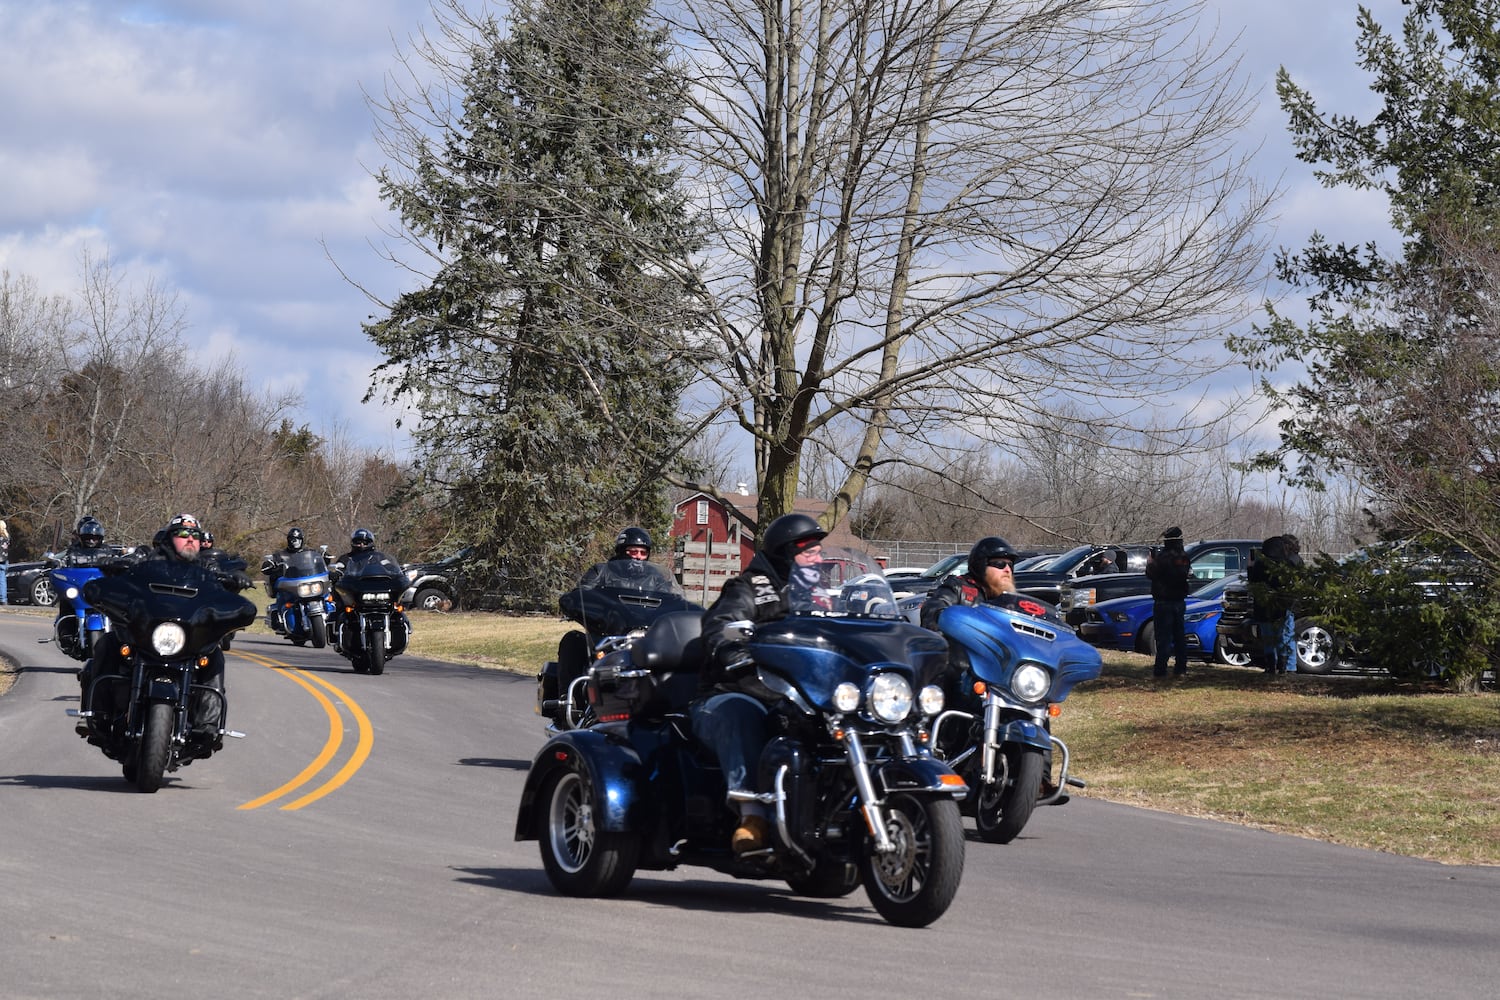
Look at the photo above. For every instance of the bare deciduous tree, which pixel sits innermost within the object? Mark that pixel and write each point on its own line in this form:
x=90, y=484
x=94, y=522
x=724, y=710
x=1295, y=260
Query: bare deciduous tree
x=937, y=218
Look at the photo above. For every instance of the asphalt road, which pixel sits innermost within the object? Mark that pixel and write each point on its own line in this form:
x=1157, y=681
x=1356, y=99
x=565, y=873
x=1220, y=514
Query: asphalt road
x=358, y=843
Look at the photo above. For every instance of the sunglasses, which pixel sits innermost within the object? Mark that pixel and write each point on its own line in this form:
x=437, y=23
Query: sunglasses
x=188, y=533
x=637, y=550
x=1002, y=563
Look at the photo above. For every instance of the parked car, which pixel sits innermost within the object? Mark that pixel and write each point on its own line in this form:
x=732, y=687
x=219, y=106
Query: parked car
x=28, y=583
x=1211, y=560
x=1047, y=581
x=1128, y=623
x=434, y=585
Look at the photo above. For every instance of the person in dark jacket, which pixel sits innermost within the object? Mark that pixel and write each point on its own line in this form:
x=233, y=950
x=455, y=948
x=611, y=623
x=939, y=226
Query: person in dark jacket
x=726, y=718
x=1171, y=578
x=631, y=543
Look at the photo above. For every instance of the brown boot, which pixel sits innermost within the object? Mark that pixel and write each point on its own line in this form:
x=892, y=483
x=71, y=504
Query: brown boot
x=751, y=835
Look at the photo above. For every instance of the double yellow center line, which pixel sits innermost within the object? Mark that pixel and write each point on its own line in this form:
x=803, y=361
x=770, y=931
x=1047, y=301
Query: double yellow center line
x=330, y=747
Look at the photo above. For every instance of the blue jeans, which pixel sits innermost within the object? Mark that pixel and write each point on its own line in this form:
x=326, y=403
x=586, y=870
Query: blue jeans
x=4, y=585
x=1171, y=634
x=733, y=726
x=1286, y=654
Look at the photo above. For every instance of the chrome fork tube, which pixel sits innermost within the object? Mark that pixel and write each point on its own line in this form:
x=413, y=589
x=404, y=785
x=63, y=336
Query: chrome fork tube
x=991, y=745
x=874, y=814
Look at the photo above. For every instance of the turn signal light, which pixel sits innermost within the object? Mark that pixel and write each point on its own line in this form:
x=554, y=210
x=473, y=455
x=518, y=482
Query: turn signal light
x=950, y=779
x=979, y=688
x=1054, y=710
x=124, y=650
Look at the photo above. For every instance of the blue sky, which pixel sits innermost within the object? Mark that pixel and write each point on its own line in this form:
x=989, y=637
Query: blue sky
x=224, y=148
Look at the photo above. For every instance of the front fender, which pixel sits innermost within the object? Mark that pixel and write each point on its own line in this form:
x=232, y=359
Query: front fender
x=611, y=765
x=917, y=774
x=1025, y=732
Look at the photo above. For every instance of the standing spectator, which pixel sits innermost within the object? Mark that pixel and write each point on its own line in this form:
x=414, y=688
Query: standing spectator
x=4, y=563
x=1267, y=579
x=1171, y=573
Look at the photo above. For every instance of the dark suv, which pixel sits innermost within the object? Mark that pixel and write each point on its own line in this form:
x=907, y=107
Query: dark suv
x=1211, y=560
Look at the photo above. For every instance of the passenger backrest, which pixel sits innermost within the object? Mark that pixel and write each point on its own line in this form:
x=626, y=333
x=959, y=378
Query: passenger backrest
x=673, y=644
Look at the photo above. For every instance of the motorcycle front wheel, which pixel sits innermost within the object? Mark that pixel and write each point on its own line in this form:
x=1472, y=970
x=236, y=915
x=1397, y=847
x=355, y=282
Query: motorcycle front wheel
x=1004, y=810
x=914, y=884
x=319, y=628
x=375, y=652
x=580, y=859
x=156, y=743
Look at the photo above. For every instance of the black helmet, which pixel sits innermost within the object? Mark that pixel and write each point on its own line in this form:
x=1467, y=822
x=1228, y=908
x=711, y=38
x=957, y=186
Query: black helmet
x=631, y=537
x=362, y=540
x=90, y=533
x=987, y=548
x=295, y=540
x=208, y=539
x=786, y=531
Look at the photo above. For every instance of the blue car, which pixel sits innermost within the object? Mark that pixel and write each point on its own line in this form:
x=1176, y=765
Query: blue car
x=1125, y=623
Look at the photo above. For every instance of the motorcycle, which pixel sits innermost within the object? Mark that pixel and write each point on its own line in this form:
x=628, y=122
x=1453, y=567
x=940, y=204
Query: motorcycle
x=168, y=618
x=1021, y=662
x=302, y=597
x=77, y=630
x=371, y=626
x=624, y=598
x=854, y=795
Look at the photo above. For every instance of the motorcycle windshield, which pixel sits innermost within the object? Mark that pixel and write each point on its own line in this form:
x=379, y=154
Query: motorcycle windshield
x=819, y=652
x=997, y=640
x=159, y=590
x=305, y=563
x=623, y=595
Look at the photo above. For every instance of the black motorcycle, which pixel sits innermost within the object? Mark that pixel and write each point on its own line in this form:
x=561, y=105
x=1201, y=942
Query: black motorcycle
x=372, y=625
x=169, y=618
x=854, y=795
x=622, y=598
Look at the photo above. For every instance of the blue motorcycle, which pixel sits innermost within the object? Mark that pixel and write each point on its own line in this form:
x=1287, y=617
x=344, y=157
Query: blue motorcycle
x=1016, y=668
x=853, y=794
x=302, y=597
x=80, y=625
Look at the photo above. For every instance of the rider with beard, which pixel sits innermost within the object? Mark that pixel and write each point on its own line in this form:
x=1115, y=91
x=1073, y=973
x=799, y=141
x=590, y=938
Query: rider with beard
x=181, y=542
x=726, y=717
x=990, y=579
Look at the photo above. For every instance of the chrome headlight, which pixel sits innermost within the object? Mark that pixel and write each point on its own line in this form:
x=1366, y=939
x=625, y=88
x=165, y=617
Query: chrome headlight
x=313, y=588
x=1030, y=682
x=930, y=700
x=168, y=638
x=383, y=596
x=71, y=593
x=846, y=697
x=890, y=698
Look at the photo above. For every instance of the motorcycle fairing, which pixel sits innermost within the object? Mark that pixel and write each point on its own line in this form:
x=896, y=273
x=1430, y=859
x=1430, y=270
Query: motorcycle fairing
x=158, y=590
x=819, y=653
x=998, y=640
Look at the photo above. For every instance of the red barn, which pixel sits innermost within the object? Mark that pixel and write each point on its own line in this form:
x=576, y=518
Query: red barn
x=713, y=538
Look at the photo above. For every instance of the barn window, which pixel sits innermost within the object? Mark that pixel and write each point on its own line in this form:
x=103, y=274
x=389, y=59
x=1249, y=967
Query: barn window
x=702, y=511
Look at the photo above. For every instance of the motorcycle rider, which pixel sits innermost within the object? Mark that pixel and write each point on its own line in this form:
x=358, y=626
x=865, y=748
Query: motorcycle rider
x=362, y=552
x=631, y=543
x=86, y=549
x=294, y=560
x=727, y=719
x=180, y=541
